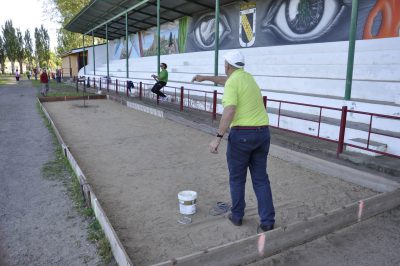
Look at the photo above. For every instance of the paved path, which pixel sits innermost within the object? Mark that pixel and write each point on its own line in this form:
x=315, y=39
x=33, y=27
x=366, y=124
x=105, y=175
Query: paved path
x=38, y=224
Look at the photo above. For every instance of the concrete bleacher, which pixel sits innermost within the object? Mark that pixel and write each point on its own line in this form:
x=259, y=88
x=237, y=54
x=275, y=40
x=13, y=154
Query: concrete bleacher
x=308, y=73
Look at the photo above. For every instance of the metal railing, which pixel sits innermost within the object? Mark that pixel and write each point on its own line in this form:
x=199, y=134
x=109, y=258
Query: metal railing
x=370, y=130
x=186, y=97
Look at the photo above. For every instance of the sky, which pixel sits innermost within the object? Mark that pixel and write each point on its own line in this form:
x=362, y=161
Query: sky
x=28, y=14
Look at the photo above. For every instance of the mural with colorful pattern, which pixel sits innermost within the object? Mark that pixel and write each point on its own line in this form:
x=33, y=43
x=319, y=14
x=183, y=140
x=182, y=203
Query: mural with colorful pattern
x=267, y=23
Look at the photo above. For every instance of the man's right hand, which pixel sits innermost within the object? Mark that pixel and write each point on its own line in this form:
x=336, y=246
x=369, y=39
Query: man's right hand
x=198, y=78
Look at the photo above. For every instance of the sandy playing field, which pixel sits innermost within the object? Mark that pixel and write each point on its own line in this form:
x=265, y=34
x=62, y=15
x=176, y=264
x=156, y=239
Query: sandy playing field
x=137, y=164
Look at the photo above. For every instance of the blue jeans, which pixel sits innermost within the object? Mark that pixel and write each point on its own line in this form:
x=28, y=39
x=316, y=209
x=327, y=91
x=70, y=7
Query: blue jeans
x=248, y=148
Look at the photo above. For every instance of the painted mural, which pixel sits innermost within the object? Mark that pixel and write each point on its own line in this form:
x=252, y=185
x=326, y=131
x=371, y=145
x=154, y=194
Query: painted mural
x=267, y=23
x=145, y=43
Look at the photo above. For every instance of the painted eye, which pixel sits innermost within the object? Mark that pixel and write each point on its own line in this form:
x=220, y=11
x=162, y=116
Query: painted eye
x=298, y=20
x=204, y=30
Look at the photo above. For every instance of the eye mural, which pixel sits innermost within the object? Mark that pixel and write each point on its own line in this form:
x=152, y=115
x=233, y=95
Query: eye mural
x=306, y=16
x=300, y=20
x=263, y=23
x=204, y=30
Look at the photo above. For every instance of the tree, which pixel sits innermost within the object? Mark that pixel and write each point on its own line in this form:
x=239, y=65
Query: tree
x=10, y=42
x=20, y=55
x=55, y=61
x=63, y=11
x=2, y=55
x=67, y=41
x=42, y=46
x=28, y=48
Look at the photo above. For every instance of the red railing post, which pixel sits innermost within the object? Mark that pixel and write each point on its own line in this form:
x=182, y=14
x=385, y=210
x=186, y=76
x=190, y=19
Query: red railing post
x=100, y=83
x=265, y=101
x=319, y=120
x=369, y=131
x=342, y=131
x=279, y=113
x=214, y=112
x=94, y=83
x=108, y=84
x=182, y=95
x=127, y=84
x=116, y=86
x=140, y=91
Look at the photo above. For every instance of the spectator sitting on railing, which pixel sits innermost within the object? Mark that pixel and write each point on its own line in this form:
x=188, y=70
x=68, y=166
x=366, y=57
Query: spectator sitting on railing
x=249, y=139
x=162, y=80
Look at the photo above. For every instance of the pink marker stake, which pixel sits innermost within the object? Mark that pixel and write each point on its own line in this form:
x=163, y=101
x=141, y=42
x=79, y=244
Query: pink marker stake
x=261, y=245
x=360, y=209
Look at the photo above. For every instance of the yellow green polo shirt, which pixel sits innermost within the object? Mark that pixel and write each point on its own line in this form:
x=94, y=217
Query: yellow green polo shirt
x=242, y=91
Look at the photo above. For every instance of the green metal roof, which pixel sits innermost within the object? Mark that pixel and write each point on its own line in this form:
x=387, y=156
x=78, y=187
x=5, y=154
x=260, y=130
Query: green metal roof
x=142, y=15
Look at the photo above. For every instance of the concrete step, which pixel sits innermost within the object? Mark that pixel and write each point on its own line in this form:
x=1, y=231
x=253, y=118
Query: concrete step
x=374, y=145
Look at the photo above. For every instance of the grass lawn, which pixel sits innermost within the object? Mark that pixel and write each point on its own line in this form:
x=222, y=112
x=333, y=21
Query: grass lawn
x=6, y=79
x=59, y=89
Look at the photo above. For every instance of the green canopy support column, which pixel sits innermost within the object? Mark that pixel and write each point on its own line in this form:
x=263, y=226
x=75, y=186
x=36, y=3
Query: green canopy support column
x=108, y=60
x=352, y=45
x=94, y=55
x=216, y=37
x=127, y=45
x=84, y=53
x=158, y=37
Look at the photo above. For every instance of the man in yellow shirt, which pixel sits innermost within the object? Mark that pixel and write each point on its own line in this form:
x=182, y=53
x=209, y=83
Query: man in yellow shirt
x=162, y=80
x=248, y=141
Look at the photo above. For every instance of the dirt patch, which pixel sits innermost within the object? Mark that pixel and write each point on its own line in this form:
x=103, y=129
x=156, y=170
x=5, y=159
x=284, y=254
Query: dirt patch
x=137, y=163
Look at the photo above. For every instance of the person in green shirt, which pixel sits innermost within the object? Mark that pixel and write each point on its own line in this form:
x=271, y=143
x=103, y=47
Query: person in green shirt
x=28, y=74
x=162, y=80
x=248, y=141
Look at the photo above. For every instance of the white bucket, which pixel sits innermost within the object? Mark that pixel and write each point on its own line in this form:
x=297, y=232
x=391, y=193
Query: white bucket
x=187, y=201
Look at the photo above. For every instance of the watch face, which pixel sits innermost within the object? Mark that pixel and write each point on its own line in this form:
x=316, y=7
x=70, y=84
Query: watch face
x=308, y=16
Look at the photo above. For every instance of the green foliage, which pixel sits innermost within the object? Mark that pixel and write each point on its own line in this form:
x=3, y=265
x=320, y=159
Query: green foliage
x=67, y=40
x=6, y=79
x=28, y=48
x=97, y=235
x=182, y=35
x=20, y=50
x=65, y=10
x=2, y=55
x=42, y=45
x=10, y=42
x=55, y=61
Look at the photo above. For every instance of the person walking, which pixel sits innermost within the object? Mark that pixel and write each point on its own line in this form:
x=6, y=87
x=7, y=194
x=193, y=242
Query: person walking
x=248, y=141
x=162, y=80
x=28, y=74
x=44, y=80
x=58, y=75
x=17, y=75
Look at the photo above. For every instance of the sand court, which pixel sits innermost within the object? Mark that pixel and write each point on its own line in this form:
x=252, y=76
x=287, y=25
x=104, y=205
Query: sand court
x=137, y=163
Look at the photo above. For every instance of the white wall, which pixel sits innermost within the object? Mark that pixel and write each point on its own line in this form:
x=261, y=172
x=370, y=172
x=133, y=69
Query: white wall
x=318, y=69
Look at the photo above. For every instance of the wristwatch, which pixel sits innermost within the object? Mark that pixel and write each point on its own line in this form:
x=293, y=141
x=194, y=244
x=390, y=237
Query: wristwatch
x=219, y=135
